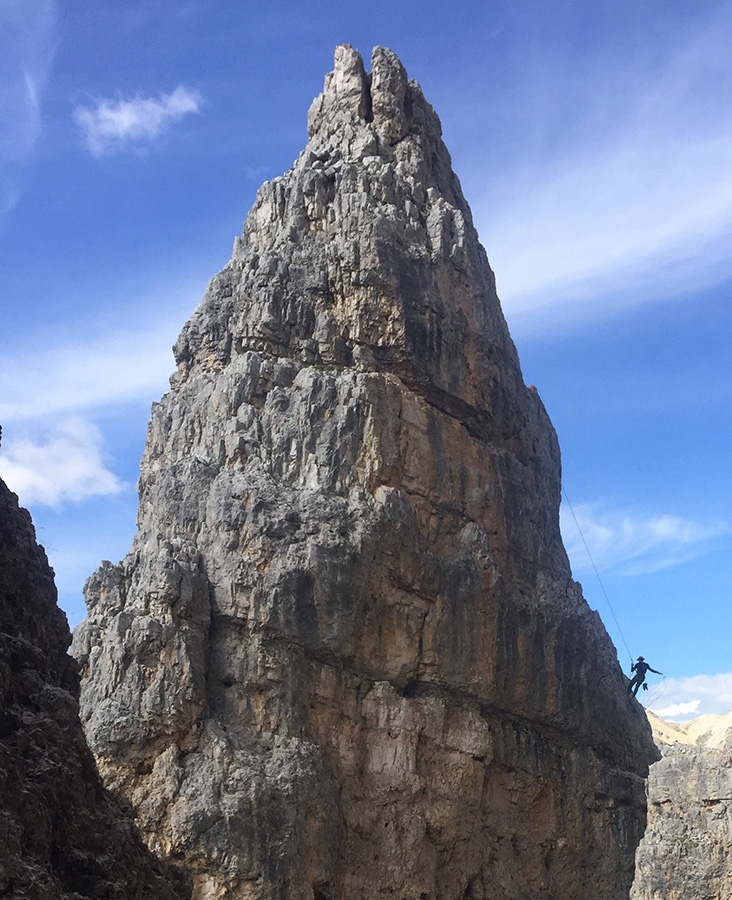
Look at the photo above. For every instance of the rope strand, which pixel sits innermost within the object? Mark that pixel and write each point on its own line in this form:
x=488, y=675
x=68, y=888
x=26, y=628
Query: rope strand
x=602, y=586
x=657, y=693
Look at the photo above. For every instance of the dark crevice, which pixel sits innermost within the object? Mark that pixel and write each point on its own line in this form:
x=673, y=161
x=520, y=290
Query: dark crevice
x=368, y=114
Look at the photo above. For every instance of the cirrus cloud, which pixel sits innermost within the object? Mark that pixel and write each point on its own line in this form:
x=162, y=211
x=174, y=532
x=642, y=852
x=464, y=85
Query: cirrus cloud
x=27, y=46
x=633, y=545
x=111, y=125
x=80, y=375
x=630, y=207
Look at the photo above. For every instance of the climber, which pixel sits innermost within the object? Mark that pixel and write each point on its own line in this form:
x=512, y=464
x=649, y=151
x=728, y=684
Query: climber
x=640, y=668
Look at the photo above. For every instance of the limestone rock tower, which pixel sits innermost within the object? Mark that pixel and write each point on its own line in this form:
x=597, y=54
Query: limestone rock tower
x=345, y=657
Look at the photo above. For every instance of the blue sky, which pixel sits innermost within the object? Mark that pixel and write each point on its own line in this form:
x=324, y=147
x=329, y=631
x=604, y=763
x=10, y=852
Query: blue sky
x=594, y=144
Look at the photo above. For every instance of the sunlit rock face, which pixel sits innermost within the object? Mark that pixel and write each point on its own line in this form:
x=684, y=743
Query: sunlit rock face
x=62, y=836
x=345, y=657
x=686, y=852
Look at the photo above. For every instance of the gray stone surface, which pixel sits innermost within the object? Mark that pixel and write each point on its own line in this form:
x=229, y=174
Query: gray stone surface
x=62, y=836
x=345, y=657
x=686, y=852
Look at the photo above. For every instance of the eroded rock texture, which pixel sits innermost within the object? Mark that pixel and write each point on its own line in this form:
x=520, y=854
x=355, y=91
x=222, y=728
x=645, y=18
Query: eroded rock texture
x=61, y=834
x=345, y=657
x=686, y=852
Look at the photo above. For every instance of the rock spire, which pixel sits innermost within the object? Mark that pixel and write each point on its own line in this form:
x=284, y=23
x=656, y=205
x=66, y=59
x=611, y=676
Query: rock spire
x=345, y=656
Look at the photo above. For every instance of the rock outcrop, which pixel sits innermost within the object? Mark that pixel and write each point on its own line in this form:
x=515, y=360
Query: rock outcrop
x=686, y=852
x=345, y=657
x=61, y=834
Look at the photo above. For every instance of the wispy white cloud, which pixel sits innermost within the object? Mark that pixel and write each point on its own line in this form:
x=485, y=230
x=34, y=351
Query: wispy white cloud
x=77, y=375
x=637, y=206
x=27, y=46
x=633, y=545
x=60, y=380
x=64, y=464
x=111, y=125
x=680, y=699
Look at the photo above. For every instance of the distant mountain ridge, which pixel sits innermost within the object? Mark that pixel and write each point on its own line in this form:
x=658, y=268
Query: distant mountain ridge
x=713, y=732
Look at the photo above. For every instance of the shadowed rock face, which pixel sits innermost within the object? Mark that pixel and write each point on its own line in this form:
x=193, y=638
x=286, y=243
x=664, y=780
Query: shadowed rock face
x=61, y=834
x=345, y=656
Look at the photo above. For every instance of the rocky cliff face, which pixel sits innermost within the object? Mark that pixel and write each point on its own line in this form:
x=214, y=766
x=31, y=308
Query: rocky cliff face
x=685, y=853
x=61, y=834
x=345, y=656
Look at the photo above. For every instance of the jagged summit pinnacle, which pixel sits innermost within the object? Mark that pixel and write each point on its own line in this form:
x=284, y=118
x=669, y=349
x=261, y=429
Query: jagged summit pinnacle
x=385, y=97
x=364, y=255
x=394, y=108
x=345, y=656
x=347, y=92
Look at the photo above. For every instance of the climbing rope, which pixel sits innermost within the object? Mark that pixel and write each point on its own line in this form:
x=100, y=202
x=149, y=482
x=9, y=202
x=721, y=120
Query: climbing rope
x=657, y=693
x=602, y=586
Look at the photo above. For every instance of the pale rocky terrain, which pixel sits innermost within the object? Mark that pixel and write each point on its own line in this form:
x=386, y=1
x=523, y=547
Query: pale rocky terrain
x=686, y=853
x=345, y=656
x=62, y=836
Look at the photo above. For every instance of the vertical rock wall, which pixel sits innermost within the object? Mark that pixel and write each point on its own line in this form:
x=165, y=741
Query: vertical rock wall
x=345, y=657
x=686, y=852
x=61, y=834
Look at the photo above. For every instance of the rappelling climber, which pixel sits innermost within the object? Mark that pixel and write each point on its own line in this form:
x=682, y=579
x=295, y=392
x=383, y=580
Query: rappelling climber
x=640, y=668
